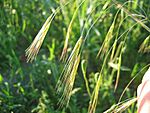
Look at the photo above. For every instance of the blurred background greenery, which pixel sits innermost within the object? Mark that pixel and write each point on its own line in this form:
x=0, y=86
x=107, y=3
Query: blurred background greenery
x=30, y=87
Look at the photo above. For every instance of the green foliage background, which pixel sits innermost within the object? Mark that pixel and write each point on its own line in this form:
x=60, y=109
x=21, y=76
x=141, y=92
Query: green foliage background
x=30, y=87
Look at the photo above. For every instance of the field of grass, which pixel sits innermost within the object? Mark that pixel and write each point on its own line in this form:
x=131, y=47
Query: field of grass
x=72, y=56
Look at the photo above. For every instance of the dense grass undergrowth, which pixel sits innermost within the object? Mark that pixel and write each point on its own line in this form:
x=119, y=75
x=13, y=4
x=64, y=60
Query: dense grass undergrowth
x=89, y=56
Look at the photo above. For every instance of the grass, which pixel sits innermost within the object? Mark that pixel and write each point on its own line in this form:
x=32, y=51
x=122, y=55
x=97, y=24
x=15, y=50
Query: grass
x=108, y=47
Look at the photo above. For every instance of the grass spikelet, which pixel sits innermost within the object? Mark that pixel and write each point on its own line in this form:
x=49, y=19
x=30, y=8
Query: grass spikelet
x=125, y=105
x=106, y=43
x=118, y=72
x=66, y=80
x=119, y=5
x=113, y=50
x=69, y=84
x=94, y=99
x=68, y=32
x=145, y=46
x=33, y=49
x=120, y=107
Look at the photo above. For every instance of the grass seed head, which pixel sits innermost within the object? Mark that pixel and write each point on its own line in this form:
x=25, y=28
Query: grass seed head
x=33, y=49
x=145, y=46
x=67, y=78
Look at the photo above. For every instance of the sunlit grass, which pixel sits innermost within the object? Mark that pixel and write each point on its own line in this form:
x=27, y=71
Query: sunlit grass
x=33, y=49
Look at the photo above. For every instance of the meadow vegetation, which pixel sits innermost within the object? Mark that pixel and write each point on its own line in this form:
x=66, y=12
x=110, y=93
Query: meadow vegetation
x=72, y=56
